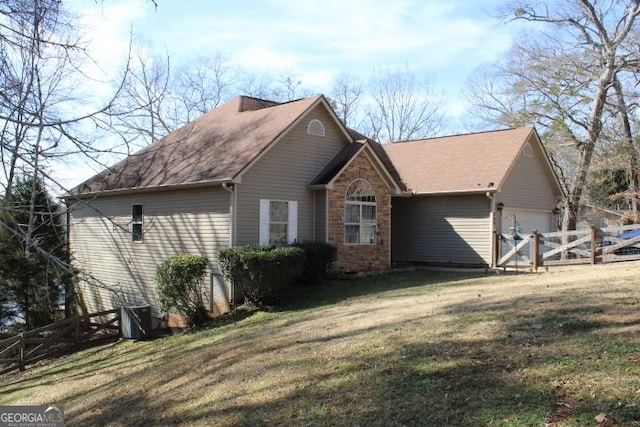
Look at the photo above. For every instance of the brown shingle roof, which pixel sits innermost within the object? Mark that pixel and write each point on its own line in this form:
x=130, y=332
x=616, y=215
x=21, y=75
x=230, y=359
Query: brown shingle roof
x=460, y=163
x=213, y=148
x=337, y=163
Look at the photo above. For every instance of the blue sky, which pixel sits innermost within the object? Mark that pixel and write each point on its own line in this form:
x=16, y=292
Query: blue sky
x=440, y=40
x=443, y=41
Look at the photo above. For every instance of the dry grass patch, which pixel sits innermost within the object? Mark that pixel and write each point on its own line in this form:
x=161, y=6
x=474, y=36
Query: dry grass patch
x=417, y=348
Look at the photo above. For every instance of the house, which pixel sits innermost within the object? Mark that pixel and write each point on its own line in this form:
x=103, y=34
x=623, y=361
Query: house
x=464, y=188
x=258, y=172
x=250, y=171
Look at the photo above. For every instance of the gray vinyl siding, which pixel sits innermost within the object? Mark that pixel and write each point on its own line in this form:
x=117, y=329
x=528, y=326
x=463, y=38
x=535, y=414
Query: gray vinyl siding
x=284, y=172
x=118, y=271
x=530, y=184
x=446, y=230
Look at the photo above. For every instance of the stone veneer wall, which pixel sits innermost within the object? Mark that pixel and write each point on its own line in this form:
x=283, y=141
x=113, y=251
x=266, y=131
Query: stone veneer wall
x=360, y=258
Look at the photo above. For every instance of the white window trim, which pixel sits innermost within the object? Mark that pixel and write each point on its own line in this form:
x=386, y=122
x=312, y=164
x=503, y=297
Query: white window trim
x=315, y=127
x=360, y=204
x=292, y=226
x=134, y=222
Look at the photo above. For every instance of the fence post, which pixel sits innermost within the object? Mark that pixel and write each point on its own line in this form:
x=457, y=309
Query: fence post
x=594, y=246
x=21, y=352
x=535, y=248
x=76, y=321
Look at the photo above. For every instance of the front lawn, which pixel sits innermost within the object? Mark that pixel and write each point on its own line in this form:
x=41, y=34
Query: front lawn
x=560, y=348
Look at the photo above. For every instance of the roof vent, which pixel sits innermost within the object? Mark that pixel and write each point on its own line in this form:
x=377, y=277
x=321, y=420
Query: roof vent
x=315, y=127
x=527, y=150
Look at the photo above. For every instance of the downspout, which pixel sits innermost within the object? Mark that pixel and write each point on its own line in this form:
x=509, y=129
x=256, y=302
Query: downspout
x=232, y=227
x=492, y=230
x=315, y=195
x=326, y=216
x=389, y=234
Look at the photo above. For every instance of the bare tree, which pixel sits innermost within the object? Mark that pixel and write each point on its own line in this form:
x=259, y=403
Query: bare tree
x=559, y=77
x=203, y=84
x=156, y=100
x=257, y=85
x=43, y=108
x=403, y=107
x=346, y=95
x=625, y=112
x=143, y=110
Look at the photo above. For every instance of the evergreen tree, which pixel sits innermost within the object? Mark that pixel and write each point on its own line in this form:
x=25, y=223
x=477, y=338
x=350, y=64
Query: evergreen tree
x=32, y=254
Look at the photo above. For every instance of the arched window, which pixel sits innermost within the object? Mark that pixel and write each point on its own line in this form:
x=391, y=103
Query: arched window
x=315, y=127
x=360, y=222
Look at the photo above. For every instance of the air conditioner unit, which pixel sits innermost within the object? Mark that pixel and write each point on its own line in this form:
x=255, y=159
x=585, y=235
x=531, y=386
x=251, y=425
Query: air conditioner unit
x=135, y=322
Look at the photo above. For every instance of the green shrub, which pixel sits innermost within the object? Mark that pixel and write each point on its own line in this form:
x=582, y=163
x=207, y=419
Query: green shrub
x=317, y=258
x=261, y=273
x=179, y=281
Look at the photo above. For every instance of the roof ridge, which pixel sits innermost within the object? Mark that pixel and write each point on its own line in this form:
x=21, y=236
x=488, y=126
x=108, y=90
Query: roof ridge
x=458, y=135
x=250, y=103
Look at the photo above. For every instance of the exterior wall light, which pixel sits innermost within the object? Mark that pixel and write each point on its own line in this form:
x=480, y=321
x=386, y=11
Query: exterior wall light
x=500, y=206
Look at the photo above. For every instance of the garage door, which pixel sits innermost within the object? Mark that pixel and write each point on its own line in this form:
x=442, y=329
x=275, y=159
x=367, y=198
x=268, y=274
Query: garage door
x=527, y=221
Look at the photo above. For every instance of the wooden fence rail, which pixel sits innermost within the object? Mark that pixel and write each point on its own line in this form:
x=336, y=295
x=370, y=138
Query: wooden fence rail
x=28, y=347
x=588, y=246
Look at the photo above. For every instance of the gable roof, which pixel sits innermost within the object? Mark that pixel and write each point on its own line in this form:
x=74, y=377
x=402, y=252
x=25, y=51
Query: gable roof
x=337, y=164
x=340, y=161
x=216, y=147
x=477, y=162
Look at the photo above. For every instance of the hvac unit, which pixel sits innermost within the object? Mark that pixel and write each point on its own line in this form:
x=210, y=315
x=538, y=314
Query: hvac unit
x=135, y=322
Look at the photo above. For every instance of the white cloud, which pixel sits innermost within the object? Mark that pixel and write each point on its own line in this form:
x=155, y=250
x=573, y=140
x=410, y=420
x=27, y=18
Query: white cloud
x=315, y=41
x=107, y=27
x=262, y=57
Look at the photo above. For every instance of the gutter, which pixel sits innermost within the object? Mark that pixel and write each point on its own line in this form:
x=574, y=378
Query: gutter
x=152, y=189
x=455, y=192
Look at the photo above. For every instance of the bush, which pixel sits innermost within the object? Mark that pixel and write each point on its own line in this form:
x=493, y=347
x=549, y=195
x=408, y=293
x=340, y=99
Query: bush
x=261, y=272
x=317, y=258
x=179, y=281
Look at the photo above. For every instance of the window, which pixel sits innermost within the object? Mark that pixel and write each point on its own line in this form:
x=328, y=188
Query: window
x=136, y=223
x=315, y=127
x=278, y=222
x=527, y=150
x=360, y=214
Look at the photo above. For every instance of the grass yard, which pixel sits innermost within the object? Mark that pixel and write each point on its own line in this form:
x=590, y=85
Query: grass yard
x=560, y=348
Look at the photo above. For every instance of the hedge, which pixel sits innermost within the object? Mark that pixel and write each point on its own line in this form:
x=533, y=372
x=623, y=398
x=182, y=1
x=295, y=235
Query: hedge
x=262, y=272
x=179, y=281
x=318, y=257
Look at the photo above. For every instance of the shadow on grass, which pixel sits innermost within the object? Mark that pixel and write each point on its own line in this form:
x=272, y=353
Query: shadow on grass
x=559, y=359
x=333, y=291
x=551, y=362
x=236, y=315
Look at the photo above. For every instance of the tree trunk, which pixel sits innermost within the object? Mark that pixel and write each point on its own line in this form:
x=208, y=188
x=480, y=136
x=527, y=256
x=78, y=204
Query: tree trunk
x=629, y=149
